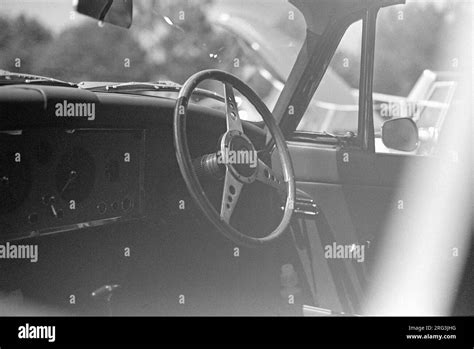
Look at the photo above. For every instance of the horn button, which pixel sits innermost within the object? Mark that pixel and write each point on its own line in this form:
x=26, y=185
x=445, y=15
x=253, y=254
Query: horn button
x=239, y=155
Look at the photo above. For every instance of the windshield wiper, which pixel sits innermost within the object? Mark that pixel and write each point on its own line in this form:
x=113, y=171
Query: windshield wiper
x=160, y=86
x=10, y=78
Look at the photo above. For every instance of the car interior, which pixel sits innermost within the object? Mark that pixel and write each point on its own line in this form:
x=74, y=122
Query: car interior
x=133, y=213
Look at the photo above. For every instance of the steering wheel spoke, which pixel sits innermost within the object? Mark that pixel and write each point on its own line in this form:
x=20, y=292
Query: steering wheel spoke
x=231, y=111
x=267, y=176
x=230, y=196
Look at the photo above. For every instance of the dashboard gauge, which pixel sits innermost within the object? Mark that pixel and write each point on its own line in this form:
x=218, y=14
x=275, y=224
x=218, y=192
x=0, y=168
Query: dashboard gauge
x=75, y=175
x=112, y=170
x=15, y=178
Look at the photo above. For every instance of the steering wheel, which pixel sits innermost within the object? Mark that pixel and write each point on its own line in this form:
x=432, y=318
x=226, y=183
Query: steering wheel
x=235, y=145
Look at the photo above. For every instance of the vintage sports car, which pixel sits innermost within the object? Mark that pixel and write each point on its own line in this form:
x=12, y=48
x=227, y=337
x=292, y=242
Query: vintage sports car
x=235, y=191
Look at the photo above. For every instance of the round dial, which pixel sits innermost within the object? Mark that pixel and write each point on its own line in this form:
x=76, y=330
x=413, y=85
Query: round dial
x=15, y=178
x=75, y=175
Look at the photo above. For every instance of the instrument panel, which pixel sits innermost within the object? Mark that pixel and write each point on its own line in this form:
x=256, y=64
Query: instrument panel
x=54, y=180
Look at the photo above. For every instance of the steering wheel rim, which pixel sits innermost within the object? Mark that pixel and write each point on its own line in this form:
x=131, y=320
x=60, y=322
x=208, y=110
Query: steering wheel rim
x=262, y=173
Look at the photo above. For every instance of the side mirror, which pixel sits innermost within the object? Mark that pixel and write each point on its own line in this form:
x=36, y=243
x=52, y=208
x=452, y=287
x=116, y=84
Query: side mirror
x=116, y=12
x=400, y=134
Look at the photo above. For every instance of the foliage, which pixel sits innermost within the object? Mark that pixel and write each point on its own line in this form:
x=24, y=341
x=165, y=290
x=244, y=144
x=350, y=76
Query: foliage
x=21, y=40
x=179, y=37
x=174, y=39
x=407, y=42
x=90, y=52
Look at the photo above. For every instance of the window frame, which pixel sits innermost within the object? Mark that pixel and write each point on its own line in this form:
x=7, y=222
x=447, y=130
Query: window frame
x=365, y=138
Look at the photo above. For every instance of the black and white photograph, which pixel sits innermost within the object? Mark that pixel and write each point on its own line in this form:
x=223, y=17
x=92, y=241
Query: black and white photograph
x=290, y=162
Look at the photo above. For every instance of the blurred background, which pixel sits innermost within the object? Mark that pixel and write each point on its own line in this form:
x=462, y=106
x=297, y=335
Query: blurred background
x=416, y=66
x=54, y=41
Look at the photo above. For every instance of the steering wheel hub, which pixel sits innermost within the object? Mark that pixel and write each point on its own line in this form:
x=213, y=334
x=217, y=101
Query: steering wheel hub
x=239, y=156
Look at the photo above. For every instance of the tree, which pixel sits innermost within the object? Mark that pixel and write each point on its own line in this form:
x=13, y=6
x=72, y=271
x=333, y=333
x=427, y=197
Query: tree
x=179, y=38
x=168, y=40
x=21, y=39
x=409, y=40
x=406, y=44
x=91, y=52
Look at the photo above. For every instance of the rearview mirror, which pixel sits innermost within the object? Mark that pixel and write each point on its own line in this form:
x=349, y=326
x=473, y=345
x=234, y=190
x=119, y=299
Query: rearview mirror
x=400, y=134
x=116, y=12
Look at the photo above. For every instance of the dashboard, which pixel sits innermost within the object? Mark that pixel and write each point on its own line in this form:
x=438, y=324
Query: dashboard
x=54, y=180
x=101, y=197
x=62, y=169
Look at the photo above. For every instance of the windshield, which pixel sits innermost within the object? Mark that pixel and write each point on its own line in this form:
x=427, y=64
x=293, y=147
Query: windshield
x=259, y=43
x=168, y=40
